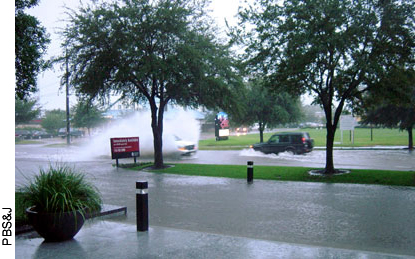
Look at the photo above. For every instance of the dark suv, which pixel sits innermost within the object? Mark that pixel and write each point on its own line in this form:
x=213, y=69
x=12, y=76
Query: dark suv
x=293, y=142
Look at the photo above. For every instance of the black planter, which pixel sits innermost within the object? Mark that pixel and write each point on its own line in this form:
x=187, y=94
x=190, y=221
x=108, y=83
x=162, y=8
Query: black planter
x=55, y=226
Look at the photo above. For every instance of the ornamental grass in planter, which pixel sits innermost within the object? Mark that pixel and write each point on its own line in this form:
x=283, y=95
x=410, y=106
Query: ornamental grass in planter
x=60, y=199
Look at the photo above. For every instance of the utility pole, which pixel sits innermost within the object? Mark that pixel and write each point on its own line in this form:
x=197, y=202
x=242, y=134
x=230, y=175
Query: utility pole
x=68, y=126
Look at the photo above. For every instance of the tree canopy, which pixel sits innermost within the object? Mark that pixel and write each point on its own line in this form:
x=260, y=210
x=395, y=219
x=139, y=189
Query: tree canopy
x=54, y=120
x=86, y=115
x=158, y=52
x=335, y=50
x=268, y=108
x=394, y=106
x=25, y=111
x=31, y=41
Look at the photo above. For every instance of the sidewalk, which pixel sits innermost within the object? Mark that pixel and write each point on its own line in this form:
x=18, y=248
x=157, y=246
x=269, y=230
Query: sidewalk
x=105, y=239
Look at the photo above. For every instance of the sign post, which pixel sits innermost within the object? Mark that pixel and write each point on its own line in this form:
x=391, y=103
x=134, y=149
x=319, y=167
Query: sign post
x=125, y=148
x=347, y=122
x=221, y=126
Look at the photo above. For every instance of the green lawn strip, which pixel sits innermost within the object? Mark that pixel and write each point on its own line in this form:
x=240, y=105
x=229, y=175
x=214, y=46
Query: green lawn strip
x=136, y=166
x=212, y=147
x=357, y=176
x=27, y=142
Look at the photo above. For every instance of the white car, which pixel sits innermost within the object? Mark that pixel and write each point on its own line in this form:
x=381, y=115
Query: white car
x=186, y=148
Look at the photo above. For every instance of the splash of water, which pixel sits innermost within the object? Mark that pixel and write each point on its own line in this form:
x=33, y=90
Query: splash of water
x=315, y=155
x=177, y=122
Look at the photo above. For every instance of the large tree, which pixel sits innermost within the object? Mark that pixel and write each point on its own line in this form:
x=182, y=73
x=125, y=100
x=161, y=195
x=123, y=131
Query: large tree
x=31, y=41
x=25, y=110
x=158, y=52
x=334, y=50
x=394, y=105
x=54, y=120
x=87, y=115
x=268, y=108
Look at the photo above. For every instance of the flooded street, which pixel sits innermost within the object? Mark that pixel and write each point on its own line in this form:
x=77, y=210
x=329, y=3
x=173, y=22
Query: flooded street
x=357, y=217
x=393, y=159
x=401, y=160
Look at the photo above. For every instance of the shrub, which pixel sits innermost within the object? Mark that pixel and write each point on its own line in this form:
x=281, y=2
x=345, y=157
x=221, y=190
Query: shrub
x=61, y=189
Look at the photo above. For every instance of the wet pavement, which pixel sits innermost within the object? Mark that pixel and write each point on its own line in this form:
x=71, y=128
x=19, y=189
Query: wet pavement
x=209, y=217
x=355, y=217
x=114, y=240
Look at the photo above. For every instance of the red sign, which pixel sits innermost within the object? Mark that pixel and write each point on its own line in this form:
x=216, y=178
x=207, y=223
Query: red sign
x=125, y=147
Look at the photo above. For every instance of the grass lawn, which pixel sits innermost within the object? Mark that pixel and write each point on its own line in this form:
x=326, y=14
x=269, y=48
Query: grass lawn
x=26, y=141
x=280, y=173
x=362, y=138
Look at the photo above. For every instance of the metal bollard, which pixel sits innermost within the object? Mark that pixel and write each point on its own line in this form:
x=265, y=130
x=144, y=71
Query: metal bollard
x=142, y=205
x=250, y=173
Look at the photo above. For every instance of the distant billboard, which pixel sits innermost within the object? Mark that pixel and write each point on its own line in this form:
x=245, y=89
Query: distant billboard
x=125, y=147
x=347, y=122
x=221, y=126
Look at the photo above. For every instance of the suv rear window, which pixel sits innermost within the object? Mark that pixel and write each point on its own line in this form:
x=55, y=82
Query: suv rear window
x=296, y=139
x=284, y=139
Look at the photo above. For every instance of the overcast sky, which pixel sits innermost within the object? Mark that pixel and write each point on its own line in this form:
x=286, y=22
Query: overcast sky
x=51, y=14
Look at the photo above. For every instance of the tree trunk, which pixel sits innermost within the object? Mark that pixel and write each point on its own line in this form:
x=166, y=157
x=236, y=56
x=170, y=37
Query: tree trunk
x=157, y=127
x=329, y=150
x=261, y=133
x=158, y=147
x=331, y=127
x=410, y=139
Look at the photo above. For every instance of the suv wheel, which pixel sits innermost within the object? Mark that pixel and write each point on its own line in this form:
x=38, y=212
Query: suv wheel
x=291, y=151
